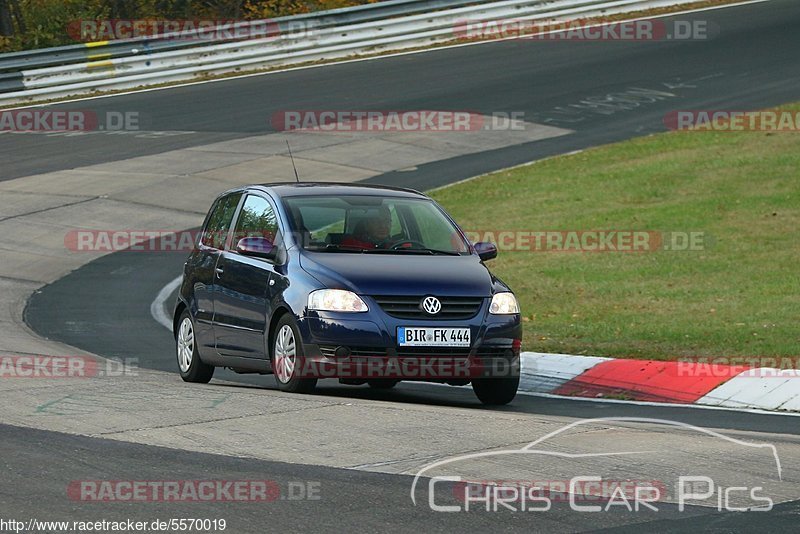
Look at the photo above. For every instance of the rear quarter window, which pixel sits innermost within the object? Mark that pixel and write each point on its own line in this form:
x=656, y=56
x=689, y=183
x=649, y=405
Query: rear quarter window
x=219, y=221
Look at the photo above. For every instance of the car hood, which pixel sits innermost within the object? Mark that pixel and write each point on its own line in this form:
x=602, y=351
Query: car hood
x=394, y=274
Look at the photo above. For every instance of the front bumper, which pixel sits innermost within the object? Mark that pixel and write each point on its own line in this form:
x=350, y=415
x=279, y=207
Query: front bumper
x=364, y=347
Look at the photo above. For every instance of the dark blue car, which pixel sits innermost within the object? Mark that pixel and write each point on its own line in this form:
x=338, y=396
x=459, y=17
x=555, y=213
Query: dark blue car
x=369, y=285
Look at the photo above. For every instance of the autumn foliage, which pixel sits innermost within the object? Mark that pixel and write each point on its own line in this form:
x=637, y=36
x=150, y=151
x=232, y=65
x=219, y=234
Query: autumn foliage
x=27, y=24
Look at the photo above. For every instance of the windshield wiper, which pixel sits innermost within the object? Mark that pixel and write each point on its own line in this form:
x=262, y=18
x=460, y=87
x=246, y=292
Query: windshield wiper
x=335, y=248
x=331, y=247
x=431, y=251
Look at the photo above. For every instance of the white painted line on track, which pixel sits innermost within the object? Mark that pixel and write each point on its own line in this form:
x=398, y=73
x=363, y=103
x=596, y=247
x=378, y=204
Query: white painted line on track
x=388, y=55
x=157, y=306
x=660, y=404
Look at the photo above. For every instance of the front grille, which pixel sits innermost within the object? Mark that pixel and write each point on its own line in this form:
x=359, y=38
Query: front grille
x=409, y=307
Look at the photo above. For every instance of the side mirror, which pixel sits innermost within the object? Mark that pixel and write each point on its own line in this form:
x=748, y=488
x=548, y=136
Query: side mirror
x=486, y=251
x=258, y=247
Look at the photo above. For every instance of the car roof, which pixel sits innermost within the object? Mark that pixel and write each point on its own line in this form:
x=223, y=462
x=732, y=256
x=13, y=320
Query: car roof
x=294, y=189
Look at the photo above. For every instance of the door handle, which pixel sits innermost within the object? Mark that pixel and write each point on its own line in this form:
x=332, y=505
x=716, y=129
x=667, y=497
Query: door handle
x=219, y=271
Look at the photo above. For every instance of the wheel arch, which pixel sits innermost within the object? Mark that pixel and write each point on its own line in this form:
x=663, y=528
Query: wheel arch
x=179, y=309
x=277, y=315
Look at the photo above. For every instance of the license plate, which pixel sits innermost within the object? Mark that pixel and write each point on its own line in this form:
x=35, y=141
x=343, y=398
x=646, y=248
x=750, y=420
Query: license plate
x=408, y=336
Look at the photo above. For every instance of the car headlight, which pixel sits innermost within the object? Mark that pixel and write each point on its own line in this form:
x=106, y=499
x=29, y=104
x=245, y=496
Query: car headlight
x=336, y=300
x=504, y=304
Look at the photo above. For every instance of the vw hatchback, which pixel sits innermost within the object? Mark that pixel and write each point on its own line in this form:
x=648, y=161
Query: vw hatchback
x=365, y=284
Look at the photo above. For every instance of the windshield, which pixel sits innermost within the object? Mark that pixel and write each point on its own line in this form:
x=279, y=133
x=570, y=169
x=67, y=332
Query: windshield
x=374, y=224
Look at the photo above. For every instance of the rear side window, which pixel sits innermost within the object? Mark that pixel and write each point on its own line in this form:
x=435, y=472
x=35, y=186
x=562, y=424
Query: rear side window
x=257, y=219
x=219, y=221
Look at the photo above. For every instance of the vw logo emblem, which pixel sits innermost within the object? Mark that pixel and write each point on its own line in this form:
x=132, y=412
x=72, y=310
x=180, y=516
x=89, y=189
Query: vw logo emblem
x=431, y=305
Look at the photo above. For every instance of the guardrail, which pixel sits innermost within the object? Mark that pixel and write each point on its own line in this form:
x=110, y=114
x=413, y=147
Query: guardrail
x=49, y=57
x=340, y=33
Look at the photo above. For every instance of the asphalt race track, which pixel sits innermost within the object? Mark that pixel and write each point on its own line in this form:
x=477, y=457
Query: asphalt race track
x=750, y=64
x=369, y=502
x=104, y=306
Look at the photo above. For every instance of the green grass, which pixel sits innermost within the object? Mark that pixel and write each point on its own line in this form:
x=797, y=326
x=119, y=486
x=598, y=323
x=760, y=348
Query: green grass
x=738, y=297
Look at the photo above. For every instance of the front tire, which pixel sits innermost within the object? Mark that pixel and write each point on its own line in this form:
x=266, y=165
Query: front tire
x=190, y=365
x=496, y=391
x=288, y=358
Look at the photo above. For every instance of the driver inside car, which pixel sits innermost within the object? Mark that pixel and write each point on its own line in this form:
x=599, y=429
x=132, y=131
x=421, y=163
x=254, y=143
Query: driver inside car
x=371, y=232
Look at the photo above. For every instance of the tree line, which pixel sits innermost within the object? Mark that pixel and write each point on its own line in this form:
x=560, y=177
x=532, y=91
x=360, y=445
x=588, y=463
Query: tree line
x=27, y=24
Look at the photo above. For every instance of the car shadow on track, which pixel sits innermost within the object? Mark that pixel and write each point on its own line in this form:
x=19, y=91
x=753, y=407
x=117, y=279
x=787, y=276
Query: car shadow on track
x=405, y=392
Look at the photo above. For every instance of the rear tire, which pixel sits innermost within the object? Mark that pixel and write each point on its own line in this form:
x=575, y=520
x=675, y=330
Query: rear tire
x=496, y=391
x=190, y=365
x=382, y=383
x=288, y=358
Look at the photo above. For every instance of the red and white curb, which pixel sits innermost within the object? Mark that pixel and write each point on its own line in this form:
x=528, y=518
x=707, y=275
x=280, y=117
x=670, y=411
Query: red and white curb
x=661, y=381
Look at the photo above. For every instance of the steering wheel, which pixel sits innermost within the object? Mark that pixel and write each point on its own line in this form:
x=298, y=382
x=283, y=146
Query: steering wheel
x=397, y=244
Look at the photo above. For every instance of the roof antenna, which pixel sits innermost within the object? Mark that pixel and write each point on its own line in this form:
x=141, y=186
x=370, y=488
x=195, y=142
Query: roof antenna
x=296, y=177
